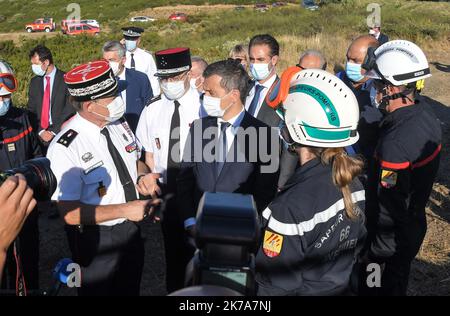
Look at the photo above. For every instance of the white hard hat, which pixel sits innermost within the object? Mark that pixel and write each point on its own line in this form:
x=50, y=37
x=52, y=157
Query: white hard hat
x=8, y=83
x=399, y=62
x=320, y=110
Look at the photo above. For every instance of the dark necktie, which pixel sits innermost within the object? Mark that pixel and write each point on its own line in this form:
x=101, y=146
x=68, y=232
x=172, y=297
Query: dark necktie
x=124, y=175
x=173, y=160
x=133, y=64
x=223, y=147
x=255, y=101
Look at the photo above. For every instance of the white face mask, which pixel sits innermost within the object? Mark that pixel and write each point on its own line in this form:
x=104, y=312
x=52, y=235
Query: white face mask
x=212, y=105
x=173, y=90
x=37, y=70
x=193, y=84
x=116, y=110
x=260, y=71
x=115, y=67
x=4, y=106
x=130, y=45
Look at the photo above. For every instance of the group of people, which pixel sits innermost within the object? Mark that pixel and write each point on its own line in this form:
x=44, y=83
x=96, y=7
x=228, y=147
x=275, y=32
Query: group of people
x=340, y=166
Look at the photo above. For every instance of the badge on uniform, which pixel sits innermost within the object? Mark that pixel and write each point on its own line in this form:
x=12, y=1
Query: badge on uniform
x=87, y=157
x=131, y=147
x=101, y=190
x=388, y=178
x=158, y=144
x=272, y=244
x=11, y=147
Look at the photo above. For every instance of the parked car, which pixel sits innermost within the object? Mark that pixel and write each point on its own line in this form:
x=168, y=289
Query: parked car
x=66, y=23
x=82, y=28
x=261, y=7
x=142, y=19
x=278, y=4
x=239, y=8
x=310, y=5
x=41, y=25
x=182, y=17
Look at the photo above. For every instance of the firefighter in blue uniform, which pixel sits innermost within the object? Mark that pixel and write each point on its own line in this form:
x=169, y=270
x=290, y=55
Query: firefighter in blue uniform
x=314, y=228
x=18, y=143
x=407, y=156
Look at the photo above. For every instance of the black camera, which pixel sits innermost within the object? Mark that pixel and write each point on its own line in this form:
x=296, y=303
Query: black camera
x=227, y=234
x=39, y=177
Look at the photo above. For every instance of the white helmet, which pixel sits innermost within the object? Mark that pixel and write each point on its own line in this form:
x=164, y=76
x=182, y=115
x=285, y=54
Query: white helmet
x=399, y=62
x=320, y=110
x=8, y=83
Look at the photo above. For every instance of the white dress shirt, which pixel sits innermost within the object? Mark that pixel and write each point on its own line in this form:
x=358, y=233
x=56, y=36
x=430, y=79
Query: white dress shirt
x=262, y=96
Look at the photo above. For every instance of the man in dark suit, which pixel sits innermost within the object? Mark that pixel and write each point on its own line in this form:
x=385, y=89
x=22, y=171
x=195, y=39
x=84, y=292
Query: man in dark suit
x=242, y=155
x=134, y=85
x=376, y=32
x=264, y=52
x=48, y=97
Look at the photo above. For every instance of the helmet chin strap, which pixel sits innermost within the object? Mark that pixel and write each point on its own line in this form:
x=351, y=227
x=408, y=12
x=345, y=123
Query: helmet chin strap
x=399, y=95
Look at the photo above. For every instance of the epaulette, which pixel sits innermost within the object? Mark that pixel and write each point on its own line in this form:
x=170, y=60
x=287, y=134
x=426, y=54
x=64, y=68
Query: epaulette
x=157, y=98
x=67, y=138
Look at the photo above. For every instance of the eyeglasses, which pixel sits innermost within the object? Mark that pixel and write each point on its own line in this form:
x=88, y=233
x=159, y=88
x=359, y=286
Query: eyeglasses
x=9, y=82
x=179, y=77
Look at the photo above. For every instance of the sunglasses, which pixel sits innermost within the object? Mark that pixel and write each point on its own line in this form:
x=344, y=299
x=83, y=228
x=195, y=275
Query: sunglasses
x=9, y=82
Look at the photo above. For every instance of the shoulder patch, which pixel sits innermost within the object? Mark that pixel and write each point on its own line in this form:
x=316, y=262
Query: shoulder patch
x=67, y=138
x=157, y=98
x=272, y=244
x=388, y=178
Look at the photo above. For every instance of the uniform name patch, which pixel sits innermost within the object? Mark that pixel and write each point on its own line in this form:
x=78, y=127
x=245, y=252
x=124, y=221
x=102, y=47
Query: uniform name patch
x=272, y=244
x=388, y=178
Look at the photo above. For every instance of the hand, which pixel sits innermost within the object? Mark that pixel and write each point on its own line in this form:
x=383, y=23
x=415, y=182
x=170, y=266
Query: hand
x=148, y=185
x=16, y=203
x=136, y=211
x=46, y=136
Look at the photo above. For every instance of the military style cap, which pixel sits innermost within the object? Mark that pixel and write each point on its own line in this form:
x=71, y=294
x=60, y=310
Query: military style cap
x=132, y=32
x=173, y=61
x=91, y=81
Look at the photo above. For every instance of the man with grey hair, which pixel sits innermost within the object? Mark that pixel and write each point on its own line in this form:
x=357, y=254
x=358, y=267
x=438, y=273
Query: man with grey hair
x=196, y=74
x=134, y=85
x=312, y=59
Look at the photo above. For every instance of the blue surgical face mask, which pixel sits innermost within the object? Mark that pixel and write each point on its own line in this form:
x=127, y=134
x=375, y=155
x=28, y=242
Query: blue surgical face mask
x=260, y=71
x=353, y=71
x=4, y=106
x=37, y=70
x=130, y=45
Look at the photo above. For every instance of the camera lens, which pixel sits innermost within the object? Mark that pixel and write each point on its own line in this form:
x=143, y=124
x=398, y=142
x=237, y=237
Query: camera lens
x=39, y=177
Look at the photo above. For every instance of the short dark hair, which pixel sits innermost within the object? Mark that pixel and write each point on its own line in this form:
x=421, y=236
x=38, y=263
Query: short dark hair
x=232, y=74
x=266, y=39
x=43, y=52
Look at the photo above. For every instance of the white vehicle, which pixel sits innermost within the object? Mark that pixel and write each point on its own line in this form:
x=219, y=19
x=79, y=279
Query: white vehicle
x=142, y=19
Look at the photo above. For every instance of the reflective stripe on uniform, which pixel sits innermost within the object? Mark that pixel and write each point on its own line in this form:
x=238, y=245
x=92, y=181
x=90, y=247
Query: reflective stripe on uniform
x=307, y=226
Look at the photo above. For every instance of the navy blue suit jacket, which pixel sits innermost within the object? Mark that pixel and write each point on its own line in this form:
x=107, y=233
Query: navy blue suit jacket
x=138, y=93
x=239, y=176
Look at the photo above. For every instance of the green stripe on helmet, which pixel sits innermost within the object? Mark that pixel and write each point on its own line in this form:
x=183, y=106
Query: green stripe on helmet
x=314, y=132
x=322, y=99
